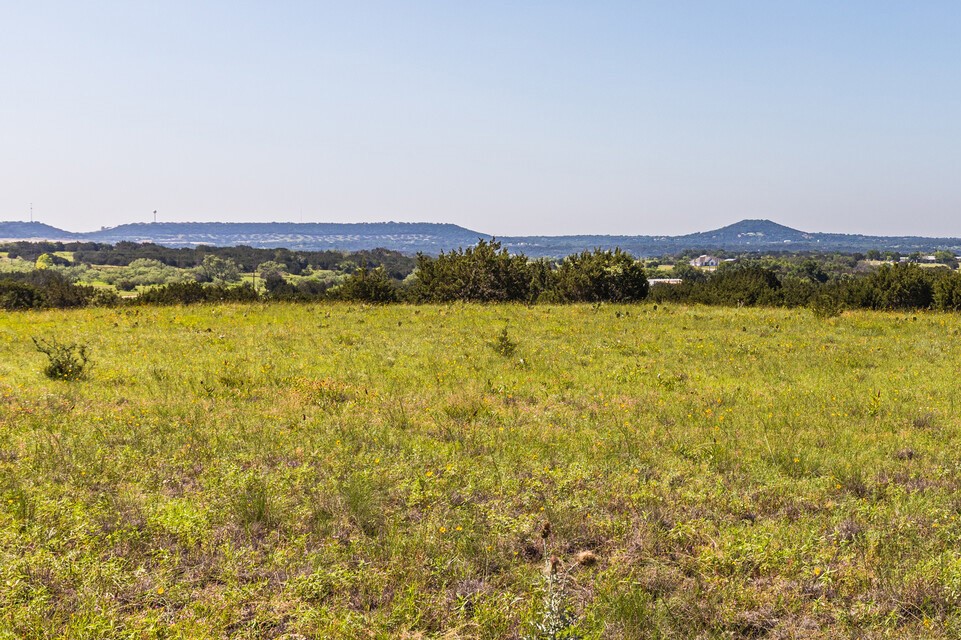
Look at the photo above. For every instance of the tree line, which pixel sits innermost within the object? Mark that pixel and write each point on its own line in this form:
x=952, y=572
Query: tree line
x=488, y=273
x=295, y=262
x=900, y=286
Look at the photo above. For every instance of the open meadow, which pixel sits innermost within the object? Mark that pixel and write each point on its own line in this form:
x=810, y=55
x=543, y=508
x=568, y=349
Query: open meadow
x=347, y=471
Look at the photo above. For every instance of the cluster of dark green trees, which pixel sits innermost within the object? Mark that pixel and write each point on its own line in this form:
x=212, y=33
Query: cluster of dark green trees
x=43, y=289
x=247, y=259
x=487, y=272
x=890, y=287
x=482, y=273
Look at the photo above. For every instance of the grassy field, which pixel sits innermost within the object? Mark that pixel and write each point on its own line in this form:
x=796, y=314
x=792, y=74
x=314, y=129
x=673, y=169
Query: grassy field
x=337, y=471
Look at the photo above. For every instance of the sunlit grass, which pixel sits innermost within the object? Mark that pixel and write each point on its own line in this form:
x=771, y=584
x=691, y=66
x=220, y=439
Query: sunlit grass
x=337, y=470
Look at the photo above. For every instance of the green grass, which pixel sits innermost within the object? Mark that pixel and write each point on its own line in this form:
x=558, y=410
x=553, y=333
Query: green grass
x=340, y=471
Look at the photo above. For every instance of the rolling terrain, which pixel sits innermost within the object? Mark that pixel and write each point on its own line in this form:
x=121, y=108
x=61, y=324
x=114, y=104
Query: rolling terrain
x=432, y=238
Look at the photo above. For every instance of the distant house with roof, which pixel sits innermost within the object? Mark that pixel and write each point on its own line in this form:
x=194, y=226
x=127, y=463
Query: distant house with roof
x=705, y=261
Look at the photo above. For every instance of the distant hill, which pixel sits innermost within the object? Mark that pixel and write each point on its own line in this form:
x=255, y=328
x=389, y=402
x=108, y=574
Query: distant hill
x=746, y=235
x=432, y=238
x=33, y=231
x=748, y=232
x=408, y=237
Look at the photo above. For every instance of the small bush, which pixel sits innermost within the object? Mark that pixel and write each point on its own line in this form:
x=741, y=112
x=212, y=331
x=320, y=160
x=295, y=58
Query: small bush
x=104, y=298
x=504, y=344
x=826, y=306
x=67, y=360
x=368, y=285
x=19, y=295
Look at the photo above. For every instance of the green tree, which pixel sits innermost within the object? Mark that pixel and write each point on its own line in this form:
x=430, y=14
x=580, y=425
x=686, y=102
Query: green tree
x=19, y=295
x=482, y=273
x=218, y=270
x=946, y=257
x=811, y=271
x=601, y=276
x=368, y=285
x=899, y=286
x=946, y=291
x=686, y=272
x=740, y=284
x=45, y=261
x=271, y=269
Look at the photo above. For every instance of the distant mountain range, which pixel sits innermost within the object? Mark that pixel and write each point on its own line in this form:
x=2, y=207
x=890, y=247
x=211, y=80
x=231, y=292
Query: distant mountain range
x=432, y=238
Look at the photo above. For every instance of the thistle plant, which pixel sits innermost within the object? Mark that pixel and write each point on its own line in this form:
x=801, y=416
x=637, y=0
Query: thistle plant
x=557, y=617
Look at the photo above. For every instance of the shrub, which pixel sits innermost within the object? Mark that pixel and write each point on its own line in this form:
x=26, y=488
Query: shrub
x=503, y=344
x=368, y=285
x=175, y=293
x=483, y=273
x=901, y=286
x=104, y=298
x=742, y=284
x=271, y=270
x=67, y=360
x=194, y=292
x=41, y=289
x=826, y=306
x=947, y=292
x=601, y=276
x=799, y=292
x=58, y=292
x=19, y=295
x=218, y=270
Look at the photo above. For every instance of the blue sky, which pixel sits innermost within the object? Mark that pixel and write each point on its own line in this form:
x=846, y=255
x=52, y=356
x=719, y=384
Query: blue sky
x=517, y=117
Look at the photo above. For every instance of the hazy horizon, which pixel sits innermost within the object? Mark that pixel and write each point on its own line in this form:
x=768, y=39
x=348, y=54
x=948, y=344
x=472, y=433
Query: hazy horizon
x=479, y=230
x=83, y=228
x=611, y=118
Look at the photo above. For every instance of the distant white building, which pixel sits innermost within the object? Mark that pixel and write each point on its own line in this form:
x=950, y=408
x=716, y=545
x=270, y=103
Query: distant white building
x=705, y=261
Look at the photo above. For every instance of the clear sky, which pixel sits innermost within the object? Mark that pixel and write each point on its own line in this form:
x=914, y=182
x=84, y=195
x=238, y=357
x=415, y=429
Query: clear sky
x=507, y=117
